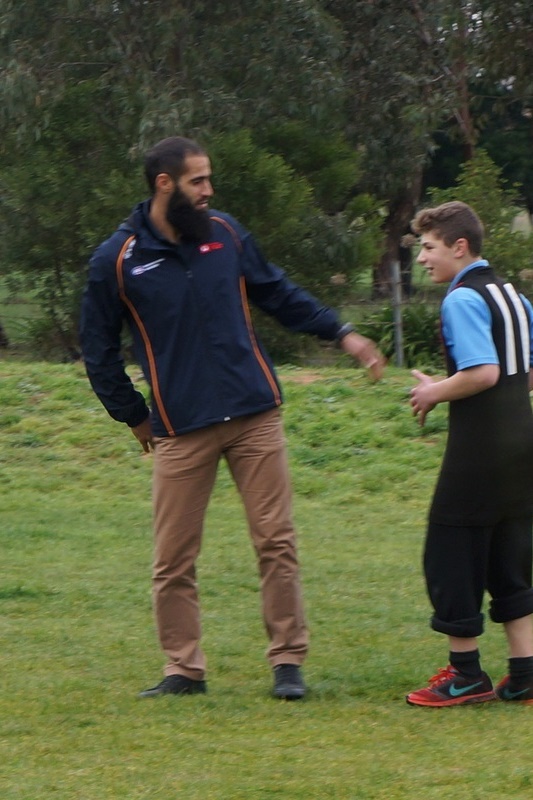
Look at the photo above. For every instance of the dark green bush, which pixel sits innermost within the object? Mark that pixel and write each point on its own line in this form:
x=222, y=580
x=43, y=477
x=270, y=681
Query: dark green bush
x=421, y=333
x=480, y=184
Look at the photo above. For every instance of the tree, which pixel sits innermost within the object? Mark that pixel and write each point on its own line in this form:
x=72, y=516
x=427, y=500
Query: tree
x=480, y=184
x=54, y=208
x=4, y=341
x=413, y=69
x=395, y=101
x=505, y=131
x=326, y=252
x=87, y=86
x=185, y=65
x=506, y=49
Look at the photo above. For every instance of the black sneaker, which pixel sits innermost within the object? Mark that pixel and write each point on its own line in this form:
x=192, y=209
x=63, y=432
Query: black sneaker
x=175, y=684
x=288, y=682
x=506, y=691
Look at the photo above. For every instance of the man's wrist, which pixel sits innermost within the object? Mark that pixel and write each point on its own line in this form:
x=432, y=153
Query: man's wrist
x=343, y=331
x=139, y=418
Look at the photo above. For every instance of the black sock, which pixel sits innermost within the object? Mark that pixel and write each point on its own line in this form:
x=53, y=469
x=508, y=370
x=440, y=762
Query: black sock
x=521, y=671
x=466, y=663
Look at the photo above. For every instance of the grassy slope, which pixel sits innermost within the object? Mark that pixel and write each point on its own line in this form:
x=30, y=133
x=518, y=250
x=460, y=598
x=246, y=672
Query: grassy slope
x=77, y=639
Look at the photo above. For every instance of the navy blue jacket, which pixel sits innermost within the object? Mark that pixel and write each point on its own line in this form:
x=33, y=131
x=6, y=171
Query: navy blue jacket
x=187, y=309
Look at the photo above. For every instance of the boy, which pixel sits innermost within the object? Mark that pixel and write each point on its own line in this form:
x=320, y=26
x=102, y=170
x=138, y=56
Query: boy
x=479, y=534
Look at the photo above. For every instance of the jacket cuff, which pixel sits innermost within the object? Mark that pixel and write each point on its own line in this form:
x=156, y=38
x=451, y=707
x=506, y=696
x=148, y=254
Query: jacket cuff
x=343, y=331
x=138, y=418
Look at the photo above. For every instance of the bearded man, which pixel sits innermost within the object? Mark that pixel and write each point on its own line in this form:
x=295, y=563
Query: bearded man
x=181, y=276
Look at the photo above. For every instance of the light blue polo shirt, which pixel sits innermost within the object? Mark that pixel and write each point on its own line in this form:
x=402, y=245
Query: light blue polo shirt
x=467, y=323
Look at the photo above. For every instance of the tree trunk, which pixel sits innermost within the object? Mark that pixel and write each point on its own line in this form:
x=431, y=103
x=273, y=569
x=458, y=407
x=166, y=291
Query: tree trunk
x=401, y=210
x=4, y=341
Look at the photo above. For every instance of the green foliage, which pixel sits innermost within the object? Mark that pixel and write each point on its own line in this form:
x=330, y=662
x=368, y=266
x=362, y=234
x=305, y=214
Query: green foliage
x=328, y=161
x=172, y=66
x=480, y=184
x=69, y=191
x=420, y=332
x=261, y=189
x=398, y=91
x=276, y=204
x=507, y=140
x=87, y=86
x=51, y=224
x=505, y=48
x=325, y=253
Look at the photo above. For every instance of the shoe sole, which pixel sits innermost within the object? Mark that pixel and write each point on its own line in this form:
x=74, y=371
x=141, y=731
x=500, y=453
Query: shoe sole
x=514, y=700
x=149, y=695
x=286, y=696
x=185, y=690
x=458, y=701
x=296, y=693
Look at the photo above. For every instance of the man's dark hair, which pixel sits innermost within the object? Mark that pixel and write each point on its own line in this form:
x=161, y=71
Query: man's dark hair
x=169, y=156
x=449, y=222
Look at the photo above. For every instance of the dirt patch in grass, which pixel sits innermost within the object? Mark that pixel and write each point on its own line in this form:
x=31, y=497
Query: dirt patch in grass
x=303, y=377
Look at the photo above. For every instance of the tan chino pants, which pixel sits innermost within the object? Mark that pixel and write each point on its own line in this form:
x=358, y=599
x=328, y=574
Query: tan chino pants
x=185, y=469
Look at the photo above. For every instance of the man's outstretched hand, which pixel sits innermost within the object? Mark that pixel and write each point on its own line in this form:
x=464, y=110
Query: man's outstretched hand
x=366, y=352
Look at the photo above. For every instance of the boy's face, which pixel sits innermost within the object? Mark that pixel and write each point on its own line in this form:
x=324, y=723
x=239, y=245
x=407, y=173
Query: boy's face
x=441, y=262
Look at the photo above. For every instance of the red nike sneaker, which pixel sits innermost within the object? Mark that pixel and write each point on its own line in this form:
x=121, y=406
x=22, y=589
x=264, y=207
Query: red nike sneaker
x=449, y=687
x=506, y=691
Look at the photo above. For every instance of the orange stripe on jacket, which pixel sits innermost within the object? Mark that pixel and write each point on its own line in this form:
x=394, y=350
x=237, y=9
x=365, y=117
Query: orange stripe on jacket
x=231, y=229
x=246, y=307
x=148, y=346
x=251, y=333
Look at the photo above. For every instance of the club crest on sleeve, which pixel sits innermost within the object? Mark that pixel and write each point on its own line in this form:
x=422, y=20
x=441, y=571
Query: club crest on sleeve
x=129, y=249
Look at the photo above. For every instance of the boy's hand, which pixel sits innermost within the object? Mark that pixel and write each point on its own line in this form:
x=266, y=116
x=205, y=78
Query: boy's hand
x=422, y=396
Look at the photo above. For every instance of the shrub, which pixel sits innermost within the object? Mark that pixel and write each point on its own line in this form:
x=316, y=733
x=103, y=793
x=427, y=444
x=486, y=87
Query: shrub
x=480, y=184
x=279, y=206
x=421, y=337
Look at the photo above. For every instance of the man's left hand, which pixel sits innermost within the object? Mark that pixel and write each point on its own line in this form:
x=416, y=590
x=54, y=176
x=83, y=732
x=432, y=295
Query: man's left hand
x=143, y=434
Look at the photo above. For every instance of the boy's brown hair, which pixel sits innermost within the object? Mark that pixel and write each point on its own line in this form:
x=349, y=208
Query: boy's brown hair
x=449, y=222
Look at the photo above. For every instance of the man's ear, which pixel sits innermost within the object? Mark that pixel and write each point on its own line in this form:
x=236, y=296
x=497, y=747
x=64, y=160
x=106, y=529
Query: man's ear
x=164, y=183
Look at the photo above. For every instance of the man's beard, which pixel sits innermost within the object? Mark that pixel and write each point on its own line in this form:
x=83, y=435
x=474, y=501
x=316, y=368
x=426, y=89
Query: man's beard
x=189, y=222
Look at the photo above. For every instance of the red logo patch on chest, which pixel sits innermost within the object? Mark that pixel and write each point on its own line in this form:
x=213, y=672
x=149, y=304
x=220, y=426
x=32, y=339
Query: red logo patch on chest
x=207, y=248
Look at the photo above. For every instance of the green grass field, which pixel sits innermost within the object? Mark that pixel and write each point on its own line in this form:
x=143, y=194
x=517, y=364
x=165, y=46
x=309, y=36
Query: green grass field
x=78, y=642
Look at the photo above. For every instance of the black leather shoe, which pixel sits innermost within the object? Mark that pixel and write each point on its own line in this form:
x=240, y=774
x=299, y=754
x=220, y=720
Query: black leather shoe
x=288, y=682
x=175, y=684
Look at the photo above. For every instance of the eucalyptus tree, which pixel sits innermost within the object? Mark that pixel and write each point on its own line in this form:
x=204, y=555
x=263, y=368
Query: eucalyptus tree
x=181, y=65
x=415, y=68
x=506, y=50
x=406, y=66
x=507, y=112
x=86, y=86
